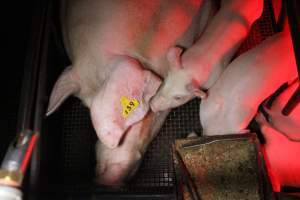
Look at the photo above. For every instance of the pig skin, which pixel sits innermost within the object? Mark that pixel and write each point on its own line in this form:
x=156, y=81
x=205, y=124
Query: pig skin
x=199, y=66
x=118, y=165
x=97, y=33
x=233, y=101
x=138, y=84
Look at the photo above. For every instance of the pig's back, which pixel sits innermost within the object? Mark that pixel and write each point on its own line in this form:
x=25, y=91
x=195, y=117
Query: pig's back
x=95, y=29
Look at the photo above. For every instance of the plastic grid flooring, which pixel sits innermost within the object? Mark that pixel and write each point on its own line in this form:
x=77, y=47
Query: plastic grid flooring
x=155, y=174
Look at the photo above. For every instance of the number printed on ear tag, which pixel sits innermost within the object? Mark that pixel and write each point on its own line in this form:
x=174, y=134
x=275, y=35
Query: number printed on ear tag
x=128, y=106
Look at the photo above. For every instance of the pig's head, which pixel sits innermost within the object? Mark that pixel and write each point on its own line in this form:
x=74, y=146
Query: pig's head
x=122, y=100
x=116, y=166
x=178, y=87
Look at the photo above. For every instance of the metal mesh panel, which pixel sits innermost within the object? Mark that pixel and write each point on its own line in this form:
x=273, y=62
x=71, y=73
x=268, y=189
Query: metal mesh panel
x=260, y=30
x=78, y=147
x=155, y=174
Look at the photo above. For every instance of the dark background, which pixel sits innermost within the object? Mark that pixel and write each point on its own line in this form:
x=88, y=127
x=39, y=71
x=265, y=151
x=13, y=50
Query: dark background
x=15, y=19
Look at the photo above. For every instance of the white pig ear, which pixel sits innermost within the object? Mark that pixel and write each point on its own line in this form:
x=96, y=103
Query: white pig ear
x=174, y=57
x=65, y=86
x=196, y=91
x=200, y=94
x=152, y=84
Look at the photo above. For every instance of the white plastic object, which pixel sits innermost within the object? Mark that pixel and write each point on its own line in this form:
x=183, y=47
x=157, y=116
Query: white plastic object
x=10, y=193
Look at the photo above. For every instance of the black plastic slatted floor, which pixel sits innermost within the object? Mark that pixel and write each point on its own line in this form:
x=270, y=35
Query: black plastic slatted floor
x=156, y=173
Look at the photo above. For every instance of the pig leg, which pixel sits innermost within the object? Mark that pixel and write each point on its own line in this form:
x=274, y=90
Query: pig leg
x=233, y=101
x=212, y=52
x=203, y=62
x=116, y=166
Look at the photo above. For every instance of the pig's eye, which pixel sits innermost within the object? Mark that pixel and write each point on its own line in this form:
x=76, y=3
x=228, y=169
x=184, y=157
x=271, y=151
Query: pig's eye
x=178, y=98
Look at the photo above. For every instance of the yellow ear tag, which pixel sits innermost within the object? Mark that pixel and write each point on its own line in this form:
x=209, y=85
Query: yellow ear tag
x=128, y=106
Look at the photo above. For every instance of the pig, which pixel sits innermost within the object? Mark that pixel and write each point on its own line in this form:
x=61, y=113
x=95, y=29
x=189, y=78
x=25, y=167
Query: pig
x=116, y=166
x=128, y=95
x=233, y=100
x=197, y=68
x=118, y=51
x=282, y=136
x=110, y=116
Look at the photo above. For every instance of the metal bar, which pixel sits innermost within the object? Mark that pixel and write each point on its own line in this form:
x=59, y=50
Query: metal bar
x=30, y=111
x=293, y=13
x=116, y=196
x=39, y=110
x=27, y=97
x=292, y=103
x=187, y=180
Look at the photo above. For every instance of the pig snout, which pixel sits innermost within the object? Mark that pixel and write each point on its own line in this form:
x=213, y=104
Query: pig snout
x=116, y=166
x=117, y=173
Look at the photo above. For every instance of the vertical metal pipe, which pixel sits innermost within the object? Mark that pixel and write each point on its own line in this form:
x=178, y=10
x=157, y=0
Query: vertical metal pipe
x=293, y=13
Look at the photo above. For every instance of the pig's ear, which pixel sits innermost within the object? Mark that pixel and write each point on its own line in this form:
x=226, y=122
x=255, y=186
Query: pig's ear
x=196, y=91
x=152, y=84
x=65, y=86
x=174, y=58
x=199, y=93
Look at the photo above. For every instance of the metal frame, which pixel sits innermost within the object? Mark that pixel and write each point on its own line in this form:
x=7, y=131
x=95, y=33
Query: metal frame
x=293, y=14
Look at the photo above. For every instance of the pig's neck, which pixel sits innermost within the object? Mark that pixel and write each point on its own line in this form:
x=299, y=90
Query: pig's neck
x=90, y=79
x=158, y=66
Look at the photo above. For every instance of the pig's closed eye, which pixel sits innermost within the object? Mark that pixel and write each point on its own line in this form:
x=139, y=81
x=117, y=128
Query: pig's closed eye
x=179, y=98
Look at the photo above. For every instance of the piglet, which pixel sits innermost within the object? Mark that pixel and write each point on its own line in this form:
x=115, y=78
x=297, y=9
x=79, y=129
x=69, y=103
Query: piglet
x=233, y=101
x=198, y=67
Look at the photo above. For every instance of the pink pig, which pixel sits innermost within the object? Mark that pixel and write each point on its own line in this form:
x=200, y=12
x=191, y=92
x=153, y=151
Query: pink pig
x=118, y=50
x=252, y=77
x=197, y=68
